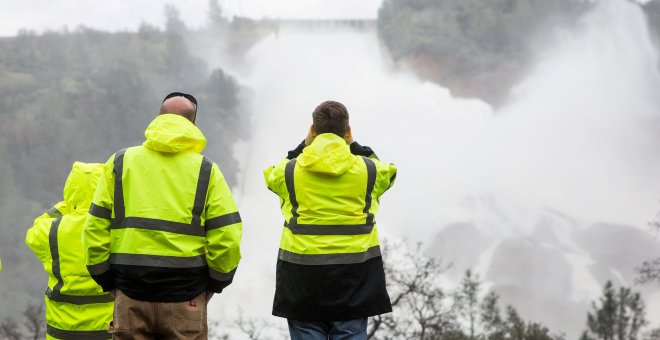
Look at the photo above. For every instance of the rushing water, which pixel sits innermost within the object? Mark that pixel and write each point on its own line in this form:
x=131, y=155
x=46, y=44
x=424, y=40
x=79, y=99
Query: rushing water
x=579, y=136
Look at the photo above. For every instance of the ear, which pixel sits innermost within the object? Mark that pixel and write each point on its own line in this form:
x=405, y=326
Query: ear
x=349, y=135
x=311, y=134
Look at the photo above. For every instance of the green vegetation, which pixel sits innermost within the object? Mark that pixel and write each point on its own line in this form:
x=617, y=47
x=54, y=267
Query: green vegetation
x=617, y=316
x=82, y=95
x=422, y=309
x=476, y=48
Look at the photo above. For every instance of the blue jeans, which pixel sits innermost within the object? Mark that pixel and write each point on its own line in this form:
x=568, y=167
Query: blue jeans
x=332, y=330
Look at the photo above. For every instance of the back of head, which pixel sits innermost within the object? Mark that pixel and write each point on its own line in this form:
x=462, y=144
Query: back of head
x=330, y=117
x=181, y=104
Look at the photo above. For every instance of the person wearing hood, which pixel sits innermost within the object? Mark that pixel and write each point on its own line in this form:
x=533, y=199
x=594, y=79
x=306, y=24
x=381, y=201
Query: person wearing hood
x=329, y=276
x=163, y=231
x=76, y=307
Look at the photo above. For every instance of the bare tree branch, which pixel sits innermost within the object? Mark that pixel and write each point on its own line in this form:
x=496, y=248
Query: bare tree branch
x=35, y=320
x=9, y=330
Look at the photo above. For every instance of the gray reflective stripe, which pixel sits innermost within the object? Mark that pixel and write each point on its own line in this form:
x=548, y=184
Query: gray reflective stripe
x=392, y=179
x=202, y=189
x=99, y=268
x=78, y=299
x=220, y=276
x=53, y=212
x=82, y=335
x=158, y=260
x=100, y=212
x=55, y=293
x=323, y=229
x=55, y=253
x=160, y=225
x=223, y=221
x=193, y=229
x=118, y=169
x=316, y=229
x=371, y=181
x=288, y=178
x=323, y=259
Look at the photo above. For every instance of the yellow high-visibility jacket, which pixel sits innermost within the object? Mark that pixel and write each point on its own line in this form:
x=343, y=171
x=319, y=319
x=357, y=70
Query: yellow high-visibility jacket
x=330, y=266
x=76, y=307
x=163, y=225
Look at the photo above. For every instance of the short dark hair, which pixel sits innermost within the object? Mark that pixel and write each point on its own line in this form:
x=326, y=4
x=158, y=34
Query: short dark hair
x=330, y=117
x=181, y=94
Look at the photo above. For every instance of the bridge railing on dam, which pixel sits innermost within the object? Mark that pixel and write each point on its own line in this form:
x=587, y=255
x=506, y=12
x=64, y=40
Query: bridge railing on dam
x=323, y=24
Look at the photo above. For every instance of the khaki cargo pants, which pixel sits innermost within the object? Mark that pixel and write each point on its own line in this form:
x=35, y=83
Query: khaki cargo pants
x=142, y=320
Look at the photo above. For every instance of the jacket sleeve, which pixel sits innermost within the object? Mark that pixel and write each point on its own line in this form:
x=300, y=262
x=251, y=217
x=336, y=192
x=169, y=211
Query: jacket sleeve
x=223, y=232
x=274, y=177
x=37, y=239
x=96, y=233
x=297, y=151
x=385, y=177
x=360, y=150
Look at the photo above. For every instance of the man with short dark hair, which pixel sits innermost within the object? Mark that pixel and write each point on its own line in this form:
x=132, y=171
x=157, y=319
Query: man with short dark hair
x=330, y=274
x=163, y=231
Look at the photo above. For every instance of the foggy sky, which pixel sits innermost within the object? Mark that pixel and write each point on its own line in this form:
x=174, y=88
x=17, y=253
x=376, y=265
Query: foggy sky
x=573, y=139
x=118, y=15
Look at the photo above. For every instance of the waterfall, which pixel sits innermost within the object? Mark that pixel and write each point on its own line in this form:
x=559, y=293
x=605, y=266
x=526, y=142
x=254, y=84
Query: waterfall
x=579, y=136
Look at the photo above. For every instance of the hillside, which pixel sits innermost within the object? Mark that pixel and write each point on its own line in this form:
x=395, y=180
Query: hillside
x=82, y=95
x=475, y=48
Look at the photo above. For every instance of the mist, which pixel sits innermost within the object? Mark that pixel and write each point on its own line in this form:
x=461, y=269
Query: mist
x=577, y=137
x=545, y=196
x=45, y=15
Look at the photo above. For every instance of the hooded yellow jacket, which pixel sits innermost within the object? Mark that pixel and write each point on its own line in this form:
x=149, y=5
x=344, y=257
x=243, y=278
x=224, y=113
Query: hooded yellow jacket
x=76, y=307
x=330, y=266
x=163, y=225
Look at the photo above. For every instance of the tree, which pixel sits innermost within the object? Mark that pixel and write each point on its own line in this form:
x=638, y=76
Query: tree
x=253, y=328
x=649, y=271
x=34, y=321
x=476, y=48
x=216, y=21
x=467, y=300
x=33, y=325
x=82, y=95
x=9, y=330
x=421, y=308
x=493, y=325
x=177, y=50
x=653, y=334
x=512, y=327
x=619, y=315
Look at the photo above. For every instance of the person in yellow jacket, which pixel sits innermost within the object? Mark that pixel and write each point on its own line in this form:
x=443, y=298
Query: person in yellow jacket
x=76, y=307
x=330, y=275
x=163, y=230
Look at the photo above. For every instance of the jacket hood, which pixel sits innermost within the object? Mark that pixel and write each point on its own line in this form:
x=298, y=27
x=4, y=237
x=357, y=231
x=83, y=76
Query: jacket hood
x=328, y=154
x=173, y=133
x=80, y=186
